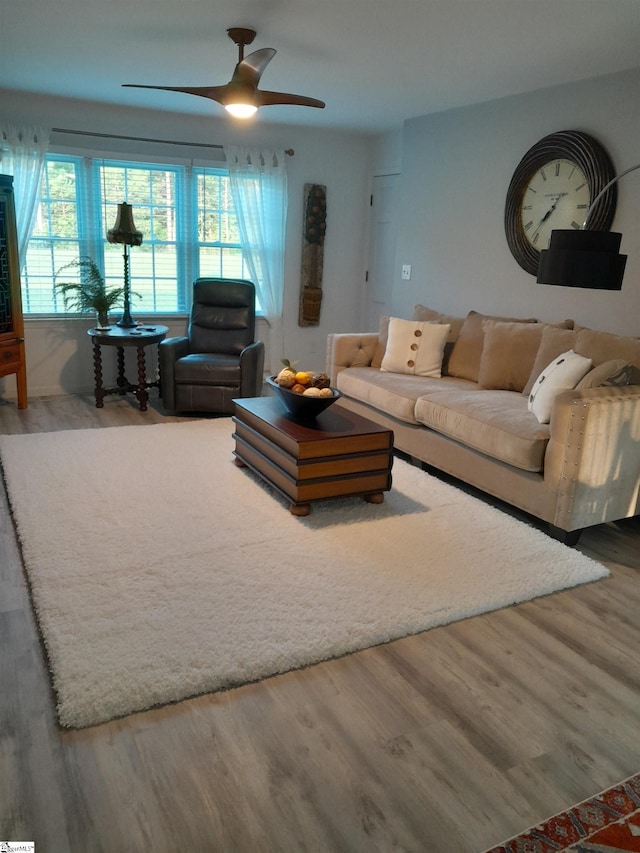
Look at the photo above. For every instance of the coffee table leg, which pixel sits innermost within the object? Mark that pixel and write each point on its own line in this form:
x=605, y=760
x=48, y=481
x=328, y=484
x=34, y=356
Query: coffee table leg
x=300, y=510
x=375, y=498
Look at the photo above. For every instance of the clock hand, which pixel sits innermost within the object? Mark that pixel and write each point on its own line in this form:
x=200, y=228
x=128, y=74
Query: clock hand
x=550, y=211
x=547, y=215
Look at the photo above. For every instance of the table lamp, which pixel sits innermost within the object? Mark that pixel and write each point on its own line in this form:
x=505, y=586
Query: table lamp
x=124, y=231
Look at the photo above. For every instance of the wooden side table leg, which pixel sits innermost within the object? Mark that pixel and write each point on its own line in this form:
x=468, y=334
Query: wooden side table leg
x=375, y=498
x=142, y=393
x=97, y=372
x=123, y=385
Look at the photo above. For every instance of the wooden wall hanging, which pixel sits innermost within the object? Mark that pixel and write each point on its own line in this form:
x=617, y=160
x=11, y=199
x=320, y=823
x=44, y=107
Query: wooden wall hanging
x=314, y=228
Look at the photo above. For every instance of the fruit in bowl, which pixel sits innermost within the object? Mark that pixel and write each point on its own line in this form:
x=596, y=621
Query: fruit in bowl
x=304, y=394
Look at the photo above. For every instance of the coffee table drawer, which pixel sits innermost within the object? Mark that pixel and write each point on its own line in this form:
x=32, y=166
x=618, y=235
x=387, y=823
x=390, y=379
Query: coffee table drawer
x=307, y=469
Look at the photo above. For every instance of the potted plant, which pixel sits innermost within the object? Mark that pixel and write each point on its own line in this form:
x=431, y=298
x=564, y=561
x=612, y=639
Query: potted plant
x=90, y=294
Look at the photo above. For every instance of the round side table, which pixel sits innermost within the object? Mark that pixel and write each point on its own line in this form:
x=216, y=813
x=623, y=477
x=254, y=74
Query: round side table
x=138, y=337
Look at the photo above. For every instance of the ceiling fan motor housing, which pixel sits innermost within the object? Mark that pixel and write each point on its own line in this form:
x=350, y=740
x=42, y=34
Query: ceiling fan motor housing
x=241, y=36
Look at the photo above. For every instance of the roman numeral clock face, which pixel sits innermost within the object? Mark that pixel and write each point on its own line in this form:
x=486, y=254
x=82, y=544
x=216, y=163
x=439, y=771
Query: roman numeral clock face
x=552, y=188
x=556, y=196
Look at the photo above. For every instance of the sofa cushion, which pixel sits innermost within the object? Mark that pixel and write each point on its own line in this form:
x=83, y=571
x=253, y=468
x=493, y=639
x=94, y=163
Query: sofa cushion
x=563, y=374
x=554, y=342
x=208, y=369
x=464, y=361
x=415, y=348
x=393, y=393
x=496, y=423
x=616, y=372
x=509, y=352
x=604, y=346
x=424, y=314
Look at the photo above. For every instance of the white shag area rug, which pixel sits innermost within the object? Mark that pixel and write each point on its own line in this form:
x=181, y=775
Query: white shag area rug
x=159, y=570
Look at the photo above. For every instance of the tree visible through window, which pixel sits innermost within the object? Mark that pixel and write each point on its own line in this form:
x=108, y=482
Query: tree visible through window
x=184, y=212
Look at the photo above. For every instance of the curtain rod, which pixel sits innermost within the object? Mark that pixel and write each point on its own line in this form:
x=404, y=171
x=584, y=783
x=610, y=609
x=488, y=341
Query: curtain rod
x=288, y=151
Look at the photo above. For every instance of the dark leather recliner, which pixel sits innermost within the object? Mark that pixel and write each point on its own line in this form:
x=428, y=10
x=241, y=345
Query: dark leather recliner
x=218, y=359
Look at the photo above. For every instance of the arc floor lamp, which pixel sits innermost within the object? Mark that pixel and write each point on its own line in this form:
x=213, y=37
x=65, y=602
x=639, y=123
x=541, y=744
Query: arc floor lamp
x=584, y=258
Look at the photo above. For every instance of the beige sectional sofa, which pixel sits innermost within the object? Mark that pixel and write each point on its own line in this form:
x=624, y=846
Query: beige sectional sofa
x=473, y=421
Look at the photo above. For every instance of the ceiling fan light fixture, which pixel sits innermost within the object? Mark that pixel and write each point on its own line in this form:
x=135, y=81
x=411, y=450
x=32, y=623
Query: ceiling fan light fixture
x=240, y=110
x=241, y=96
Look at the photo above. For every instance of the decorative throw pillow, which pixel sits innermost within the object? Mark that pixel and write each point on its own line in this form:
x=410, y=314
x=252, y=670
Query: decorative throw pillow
x=554, y=342
x=604, y=346
x=616, y=372
x=467, y=350
x=424, y=314
x=415, y=348
x=563, y=374
x=383, y=333
x=509, y=352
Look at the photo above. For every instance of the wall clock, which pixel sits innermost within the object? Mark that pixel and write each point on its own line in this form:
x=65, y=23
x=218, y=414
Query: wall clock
x=552, y=187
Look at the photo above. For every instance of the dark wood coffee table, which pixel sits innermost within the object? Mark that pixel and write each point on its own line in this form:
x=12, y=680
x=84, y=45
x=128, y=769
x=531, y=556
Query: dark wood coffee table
x=338, y=454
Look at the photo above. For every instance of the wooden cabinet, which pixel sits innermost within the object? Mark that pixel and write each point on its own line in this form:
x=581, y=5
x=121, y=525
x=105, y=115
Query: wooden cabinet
x=12, y=354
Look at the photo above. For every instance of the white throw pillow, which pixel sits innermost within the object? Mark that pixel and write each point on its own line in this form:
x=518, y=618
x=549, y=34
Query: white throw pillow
x=563, y=374
x=414, y=347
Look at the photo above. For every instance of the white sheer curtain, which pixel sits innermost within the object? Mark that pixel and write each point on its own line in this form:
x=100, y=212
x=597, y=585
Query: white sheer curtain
x=22, y=154
x=258, y=180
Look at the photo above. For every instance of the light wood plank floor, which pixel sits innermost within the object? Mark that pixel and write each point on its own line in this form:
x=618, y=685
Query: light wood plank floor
x=449, y=741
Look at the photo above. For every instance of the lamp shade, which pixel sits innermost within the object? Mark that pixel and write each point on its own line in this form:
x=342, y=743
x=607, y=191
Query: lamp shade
x=583, y=258
x=124, y=229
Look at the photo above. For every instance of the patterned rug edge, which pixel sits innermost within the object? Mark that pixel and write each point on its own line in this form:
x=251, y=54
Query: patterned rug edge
x=608, y=821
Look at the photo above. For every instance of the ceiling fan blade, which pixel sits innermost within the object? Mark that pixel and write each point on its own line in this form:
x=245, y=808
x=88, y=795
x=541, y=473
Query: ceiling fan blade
x=264, y=99
x=250, y=69
x=243, y=86
x=214, y=93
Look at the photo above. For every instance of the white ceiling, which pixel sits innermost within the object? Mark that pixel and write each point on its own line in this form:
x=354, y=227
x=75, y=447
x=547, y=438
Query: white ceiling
x=374, y=62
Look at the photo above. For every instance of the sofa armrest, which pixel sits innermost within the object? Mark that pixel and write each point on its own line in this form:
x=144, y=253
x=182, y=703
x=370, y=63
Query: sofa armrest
x=169, y=351
x=252, y=370
x=349, y=350
x=593, y=455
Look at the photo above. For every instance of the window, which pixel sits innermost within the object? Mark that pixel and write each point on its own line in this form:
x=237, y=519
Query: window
x=184, y=212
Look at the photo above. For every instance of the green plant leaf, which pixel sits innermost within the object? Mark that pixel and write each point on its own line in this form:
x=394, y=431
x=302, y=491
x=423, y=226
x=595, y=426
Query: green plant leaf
x=90, y=294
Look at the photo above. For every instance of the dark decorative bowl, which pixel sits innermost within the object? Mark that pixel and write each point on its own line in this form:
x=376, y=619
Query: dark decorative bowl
x=299, y=406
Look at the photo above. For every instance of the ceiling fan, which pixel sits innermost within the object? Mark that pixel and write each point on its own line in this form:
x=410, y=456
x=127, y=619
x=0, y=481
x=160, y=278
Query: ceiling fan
x=241, y=96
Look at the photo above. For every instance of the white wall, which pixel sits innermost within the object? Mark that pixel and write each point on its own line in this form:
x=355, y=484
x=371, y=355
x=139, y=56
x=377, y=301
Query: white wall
x=456, y=167
x=387, y=153
x=59, y=351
